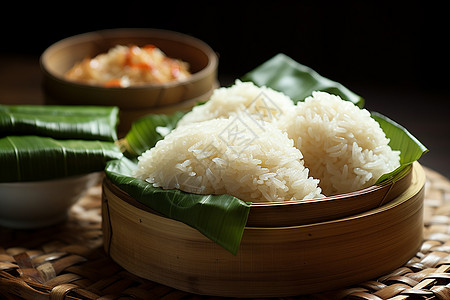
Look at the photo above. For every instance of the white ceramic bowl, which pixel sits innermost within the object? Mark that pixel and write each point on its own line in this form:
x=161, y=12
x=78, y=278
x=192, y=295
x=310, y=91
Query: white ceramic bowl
x=29, y=205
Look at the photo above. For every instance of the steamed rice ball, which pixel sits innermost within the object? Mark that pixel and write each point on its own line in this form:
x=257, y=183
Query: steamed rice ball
x=342, y=145
x=260, y=103
x=231, y=156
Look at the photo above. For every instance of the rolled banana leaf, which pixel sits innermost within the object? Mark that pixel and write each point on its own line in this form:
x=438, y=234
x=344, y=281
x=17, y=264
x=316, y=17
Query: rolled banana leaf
x=35, y=158
x=39, y=142
x=60, y=122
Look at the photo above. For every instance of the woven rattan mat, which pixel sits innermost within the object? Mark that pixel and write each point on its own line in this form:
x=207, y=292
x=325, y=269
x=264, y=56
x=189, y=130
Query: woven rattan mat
x=68, y=262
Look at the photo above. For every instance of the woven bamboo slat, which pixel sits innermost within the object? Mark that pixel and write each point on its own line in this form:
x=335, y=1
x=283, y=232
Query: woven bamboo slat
x=67, y=261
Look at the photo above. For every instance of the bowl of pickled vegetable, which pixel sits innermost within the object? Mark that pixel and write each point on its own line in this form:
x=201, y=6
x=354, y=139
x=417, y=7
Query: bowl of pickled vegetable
x=139, y=70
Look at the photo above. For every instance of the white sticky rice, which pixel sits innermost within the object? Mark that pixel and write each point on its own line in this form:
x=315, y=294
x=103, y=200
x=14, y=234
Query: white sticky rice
x=235, y=156
x=342, y=145
x=261, y=103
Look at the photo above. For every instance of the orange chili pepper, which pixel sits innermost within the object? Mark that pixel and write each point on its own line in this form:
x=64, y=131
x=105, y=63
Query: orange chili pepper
x=129, y=62
x=149, y=47
x=113, y=83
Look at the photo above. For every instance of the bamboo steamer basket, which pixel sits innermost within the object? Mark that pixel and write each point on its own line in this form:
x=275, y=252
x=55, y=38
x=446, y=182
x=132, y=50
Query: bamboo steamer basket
x=272, y=261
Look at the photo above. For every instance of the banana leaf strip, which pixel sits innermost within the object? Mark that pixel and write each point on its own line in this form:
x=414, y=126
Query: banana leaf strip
x=221, y=218
x=33, y=158
x=411, y=149
x=285, y=75
x=146, y=131
x=60, y=122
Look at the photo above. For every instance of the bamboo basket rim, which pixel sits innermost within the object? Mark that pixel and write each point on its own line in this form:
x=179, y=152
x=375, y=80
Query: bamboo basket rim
x=388, y=189
x=375, y=187
x=419, y=175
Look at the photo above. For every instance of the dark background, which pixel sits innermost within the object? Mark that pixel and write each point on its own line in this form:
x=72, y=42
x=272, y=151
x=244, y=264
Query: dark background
x=388, y=42
x=394, y=54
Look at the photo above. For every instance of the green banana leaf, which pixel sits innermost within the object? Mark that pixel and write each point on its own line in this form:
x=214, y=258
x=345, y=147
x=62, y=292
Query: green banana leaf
x=221, y=218
x=39, y=142
x=285, y=75
x=146, y=131
x=411, y=149
x=34, y=158
x=60, y=122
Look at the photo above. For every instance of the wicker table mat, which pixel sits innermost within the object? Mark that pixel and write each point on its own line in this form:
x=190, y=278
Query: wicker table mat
x=68, y=262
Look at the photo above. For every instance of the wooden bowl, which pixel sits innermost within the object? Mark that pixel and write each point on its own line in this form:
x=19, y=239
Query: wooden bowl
x=133, y=101
x=272, y=261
